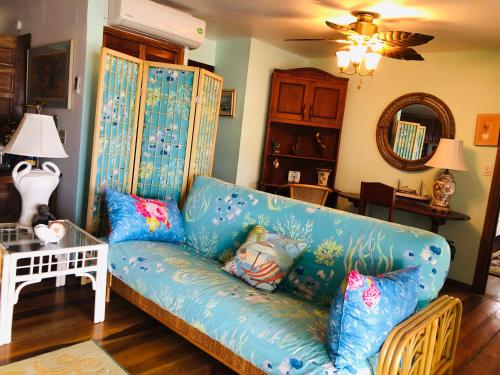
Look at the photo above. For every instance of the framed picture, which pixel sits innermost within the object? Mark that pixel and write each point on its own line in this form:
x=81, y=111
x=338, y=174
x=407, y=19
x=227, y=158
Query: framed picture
x=487, y=130
x=49, y=75
x=227, y=103
x=294, y=177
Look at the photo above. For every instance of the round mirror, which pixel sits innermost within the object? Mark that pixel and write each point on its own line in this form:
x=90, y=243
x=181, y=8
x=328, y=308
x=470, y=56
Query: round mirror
x=409, y=130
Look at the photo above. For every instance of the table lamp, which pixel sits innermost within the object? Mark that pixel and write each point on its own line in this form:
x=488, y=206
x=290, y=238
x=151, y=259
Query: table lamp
x=36, y=136
x=449, y=155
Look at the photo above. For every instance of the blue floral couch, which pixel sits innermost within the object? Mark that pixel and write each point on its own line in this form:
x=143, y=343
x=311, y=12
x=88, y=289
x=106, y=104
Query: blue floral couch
x=281, y=332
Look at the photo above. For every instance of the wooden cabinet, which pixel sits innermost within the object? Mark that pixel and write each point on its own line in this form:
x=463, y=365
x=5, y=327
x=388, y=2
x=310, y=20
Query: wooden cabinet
x=142, y=47
x=289, y=101
x=13, y=51
x=326, y=102
x=307, y=100
x=306, y=109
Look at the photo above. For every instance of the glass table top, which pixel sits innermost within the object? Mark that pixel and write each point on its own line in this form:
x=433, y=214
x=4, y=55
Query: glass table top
x=17, y=239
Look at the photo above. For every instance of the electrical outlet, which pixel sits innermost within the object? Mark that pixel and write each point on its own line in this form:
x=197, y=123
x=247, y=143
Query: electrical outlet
x=487, y=170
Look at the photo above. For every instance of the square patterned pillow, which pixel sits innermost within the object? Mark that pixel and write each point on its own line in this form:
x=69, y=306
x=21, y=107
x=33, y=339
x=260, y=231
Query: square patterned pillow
x=135, y=218
x=365, y=310
x=264, y=259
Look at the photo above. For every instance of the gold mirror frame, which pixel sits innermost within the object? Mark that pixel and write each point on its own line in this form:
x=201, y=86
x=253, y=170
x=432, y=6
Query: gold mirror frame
x=386, y=120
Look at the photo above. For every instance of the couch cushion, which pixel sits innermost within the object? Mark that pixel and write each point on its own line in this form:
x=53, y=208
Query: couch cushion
x=363, y=314
x=264, y=259
x=135, y=218
x=218, y=216
x=276, y=332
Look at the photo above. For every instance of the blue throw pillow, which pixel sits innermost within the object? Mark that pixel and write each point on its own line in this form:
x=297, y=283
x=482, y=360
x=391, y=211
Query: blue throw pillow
x=365, y=310
x=135, y=218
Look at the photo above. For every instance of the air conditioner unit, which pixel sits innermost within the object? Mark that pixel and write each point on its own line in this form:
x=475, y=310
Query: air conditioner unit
x=148, y=17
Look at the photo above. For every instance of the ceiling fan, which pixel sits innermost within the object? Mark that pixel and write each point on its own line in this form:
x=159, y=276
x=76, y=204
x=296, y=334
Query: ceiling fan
x=363, y=39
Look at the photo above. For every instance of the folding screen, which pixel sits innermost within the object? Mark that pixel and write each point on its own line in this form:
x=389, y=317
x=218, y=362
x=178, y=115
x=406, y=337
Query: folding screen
x=207, y=118
x=115, y=131
x=165, y=130
x=155, y=131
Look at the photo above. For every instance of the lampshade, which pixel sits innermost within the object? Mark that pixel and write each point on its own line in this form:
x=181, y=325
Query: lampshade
x=343, y=57
x=449, y=155
x=36, y=136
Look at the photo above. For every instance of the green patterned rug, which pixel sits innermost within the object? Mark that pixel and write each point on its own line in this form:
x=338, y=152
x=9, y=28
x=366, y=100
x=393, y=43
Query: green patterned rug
x=85, y=358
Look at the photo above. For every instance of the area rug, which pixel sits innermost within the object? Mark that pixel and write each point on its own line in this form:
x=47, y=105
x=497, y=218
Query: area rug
x=495, y=263
x=85, y=358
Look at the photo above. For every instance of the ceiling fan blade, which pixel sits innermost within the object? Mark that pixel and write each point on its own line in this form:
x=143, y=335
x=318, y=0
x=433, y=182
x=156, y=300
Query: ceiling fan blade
x=403, y=38
x=344, y=41
x=305, y=39
x=402, y=54
x=340, y=28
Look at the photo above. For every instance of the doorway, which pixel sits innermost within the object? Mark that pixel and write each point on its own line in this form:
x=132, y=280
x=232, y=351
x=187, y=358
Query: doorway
x=491, y=231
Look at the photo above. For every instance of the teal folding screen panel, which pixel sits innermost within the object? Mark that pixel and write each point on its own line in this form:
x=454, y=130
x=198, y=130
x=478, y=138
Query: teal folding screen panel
x=165, y=130
x=115, y=129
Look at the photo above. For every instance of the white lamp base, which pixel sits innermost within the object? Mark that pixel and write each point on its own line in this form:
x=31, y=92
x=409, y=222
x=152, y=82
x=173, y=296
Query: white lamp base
x=35, y=187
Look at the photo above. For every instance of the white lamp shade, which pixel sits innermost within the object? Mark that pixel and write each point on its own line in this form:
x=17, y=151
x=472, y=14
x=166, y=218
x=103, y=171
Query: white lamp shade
x=343, y=57
x=36, y=136
x=449, y=155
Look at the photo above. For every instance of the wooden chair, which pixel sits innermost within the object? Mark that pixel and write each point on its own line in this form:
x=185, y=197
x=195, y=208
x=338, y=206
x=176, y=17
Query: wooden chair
x=309, y=193
x=378, y=194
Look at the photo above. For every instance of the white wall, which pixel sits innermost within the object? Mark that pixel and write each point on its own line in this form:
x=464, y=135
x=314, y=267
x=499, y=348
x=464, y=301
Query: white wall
x=469, y=83
x=52, y=21
x=204, y=54
x=263, y=59
x=231, y=62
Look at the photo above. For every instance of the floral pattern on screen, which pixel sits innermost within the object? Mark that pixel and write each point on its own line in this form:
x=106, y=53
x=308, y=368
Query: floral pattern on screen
x=116, y=133
x=165, y=132
x=204, y=141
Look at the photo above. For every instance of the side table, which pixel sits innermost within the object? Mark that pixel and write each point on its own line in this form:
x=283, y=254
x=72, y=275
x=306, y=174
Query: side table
x=27, y=260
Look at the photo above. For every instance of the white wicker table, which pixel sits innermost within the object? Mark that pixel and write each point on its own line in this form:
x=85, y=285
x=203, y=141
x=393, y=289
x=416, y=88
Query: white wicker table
x=26, y=260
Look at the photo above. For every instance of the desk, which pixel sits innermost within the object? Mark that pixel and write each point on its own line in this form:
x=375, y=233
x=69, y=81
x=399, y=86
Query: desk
x=437, y=218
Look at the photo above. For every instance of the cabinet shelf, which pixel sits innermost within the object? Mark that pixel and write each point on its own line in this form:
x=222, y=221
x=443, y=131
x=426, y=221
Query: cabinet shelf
x=306, y=107
x=287, y=122
x=301, y=157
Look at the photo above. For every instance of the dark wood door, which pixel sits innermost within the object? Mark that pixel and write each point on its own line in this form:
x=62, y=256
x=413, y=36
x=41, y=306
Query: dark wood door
x=143, y=47
x=326, y=102
x=289, y=99
x=13, y=52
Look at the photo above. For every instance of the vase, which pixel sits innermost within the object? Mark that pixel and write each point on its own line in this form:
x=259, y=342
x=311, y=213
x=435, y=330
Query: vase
x=323, y=176
x=35, y=187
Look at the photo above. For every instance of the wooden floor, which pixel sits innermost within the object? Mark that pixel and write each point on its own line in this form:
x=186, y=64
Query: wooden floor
x=478, y=350
x=46, y=319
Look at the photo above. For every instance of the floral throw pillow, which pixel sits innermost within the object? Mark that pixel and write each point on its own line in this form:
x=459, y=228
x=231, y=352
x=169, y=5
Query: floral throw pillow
x=135, y=218
x=365, y=310
x=264, y=259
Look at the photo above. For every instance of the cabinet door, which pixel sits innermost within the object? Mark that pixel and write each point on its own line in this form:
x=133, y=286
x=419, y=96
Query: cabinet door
x=325, y=102
x=288, y=98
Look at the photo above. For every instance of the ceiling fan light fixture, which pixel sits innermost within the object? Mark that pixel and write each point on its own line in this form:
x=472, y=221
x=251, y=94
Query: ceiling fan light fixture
x=343, y=58
x=371, y=60
x=357, y=53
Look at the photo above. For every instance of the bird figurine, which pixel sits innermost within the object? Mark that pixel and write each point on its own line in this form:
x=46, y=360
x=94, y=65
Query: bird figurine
x=296, y=147
x=43, y=215
x=51, y=233
x=320, y=143
x=276, y=146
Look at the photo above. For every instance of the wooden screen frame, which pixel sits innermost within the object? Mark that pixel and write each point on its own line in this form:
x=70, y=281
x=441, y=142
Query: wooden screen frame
x=142, y=111
x=97, y=129
x=192, y=166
